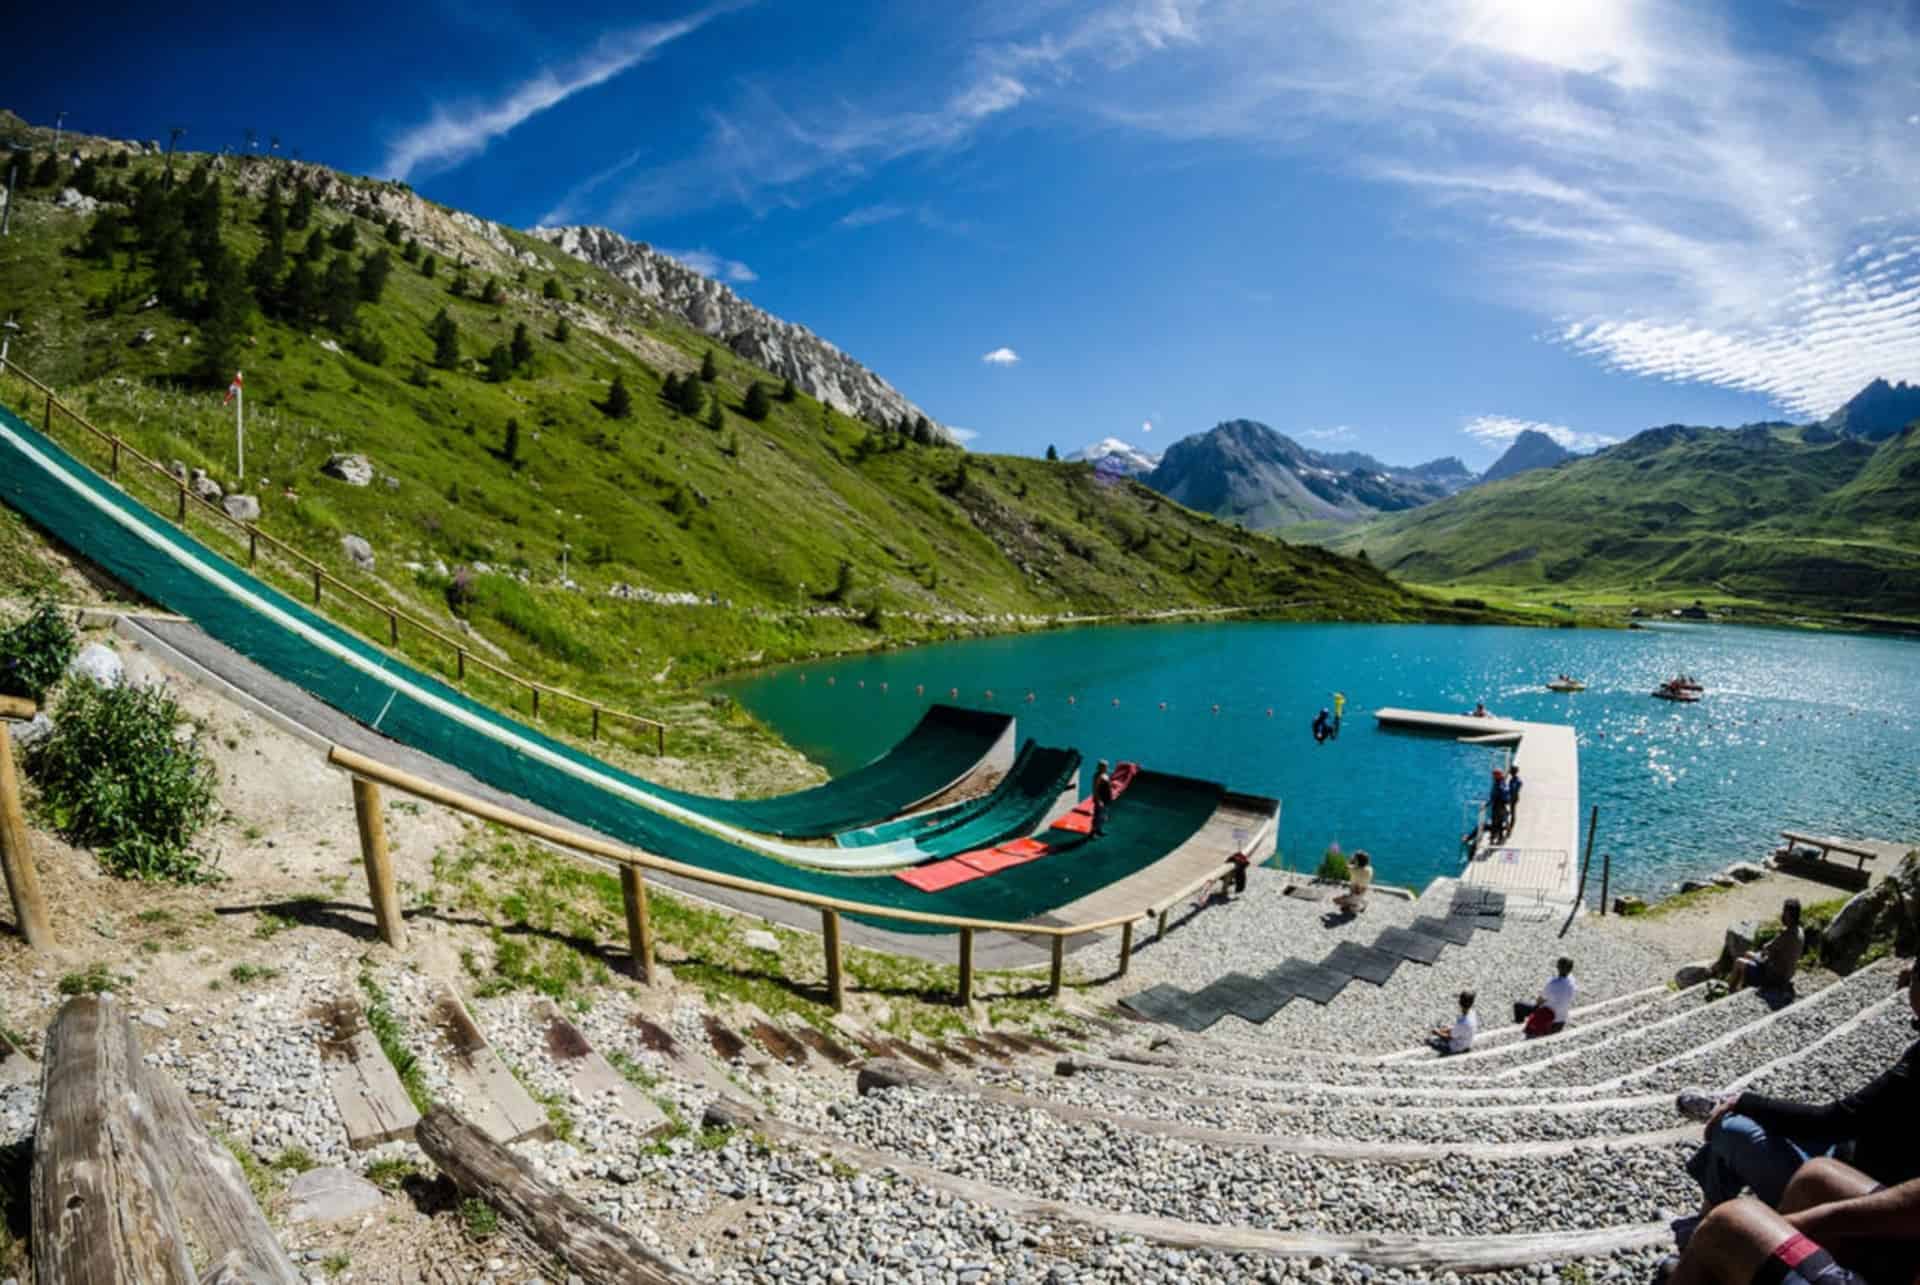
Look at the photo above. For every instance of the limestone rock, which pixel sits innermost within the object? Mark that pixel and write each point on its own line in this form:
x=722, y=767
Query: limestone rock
x=329, y=1195
x=1695, y=885
x=205, y=487
x=1629, y=905
x=1744, y=871
x=100, y=663
x=72, y=199
x=1691, y=975
x=357, y=551
x=36, y=729
x=242, y=508
x=1852, y=930
x=354, y=470
x=178, y=470
x=1739, y=941
x=760, y=939
x=790, y=351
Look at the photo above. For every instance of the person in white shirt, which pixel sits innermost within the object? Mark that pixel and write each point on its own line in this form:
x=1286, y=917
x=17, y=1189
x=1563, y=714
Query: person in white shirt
x=1458, y=1038
x=1359, y=879
x=1556, y=998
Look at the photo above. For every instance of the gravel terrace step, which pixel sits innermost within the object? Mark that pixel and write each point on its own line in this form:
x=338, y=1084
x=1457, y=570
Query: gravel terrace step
x=1117, y=1169
x=1846, y=1059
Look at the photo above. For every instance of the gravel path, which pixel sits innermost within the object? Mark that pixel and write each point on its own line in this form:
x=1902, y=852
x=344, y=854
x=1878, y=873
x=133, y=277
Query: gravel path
x=1115, y=1168
x=1259, y=929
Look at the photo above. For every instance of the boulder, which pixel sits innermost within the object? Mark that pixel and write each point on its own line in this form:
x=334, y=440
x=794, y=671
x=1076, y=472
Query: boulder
x=354, y=470
x=242, y=508
x=1738, y=942
x=330, y=1195
x=760, y=939
x=205, y=487
x=1744, y=871
x=1629, y=905
x=71, y=198
x=1695, y=885
x=1691, y=975
x=33, y=731
x=357, y=551
x=1852, y=930
x=178, y=470
x=100, y=663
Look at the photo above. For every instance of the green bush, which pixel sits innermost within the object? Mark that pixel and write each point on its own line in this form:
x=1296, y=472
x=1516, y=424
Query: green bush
x=1334, y=865
x=116, y=777
x=35, y=652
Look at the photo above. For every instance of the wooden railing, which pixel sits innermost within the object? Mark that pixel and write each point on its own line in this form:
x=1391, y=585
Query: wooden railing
x=370, y=773
x=16, y=857
x=463, y=656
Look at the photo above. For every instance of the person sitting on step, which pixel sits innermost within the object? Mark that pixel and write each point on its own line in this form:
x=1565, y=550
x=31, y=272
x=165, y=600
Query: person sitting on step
x=1547, y=1015
x=1835, y=1226
x=1773, y=965
x=1458, y=1038
x=1359, y=879
x=1754, y=1141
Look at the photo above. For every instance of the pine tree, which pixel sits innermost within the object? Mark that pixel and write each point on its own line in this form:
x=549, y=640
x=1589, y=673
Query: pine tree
x=46, y=173
x=490, y=293
x=522, y=345
x=692, y=397
x=411, y=250
x=1053, y=455
x=924, y=438
x=922, y=430
x=302, y=212
x=86, y=177
x=315, y=248
x=264, y=274
x=716, y=416
x=340, y=295
x=510, y=444
x=460, y=284
x=373, y=275
x=343, y=236
x=171, y=271
x=562, y=331
x=393, y=230
x=708, y=370
x=225, y=308
x=103, y=236
x=299, y=295
x=787, y=391
x=429, y=266
x=758, y=405
x=273, y=210
x=551, y=290
x=446, y=341
x=619, y=403
x=499, y=365
x=670, y=390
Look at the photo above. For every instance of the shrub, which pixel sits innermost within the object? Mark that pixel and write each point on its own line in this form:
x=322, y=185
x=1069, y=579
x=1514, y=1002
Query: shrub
x=35, y=652
x=1333, y=865
x=115, y=776
x=758, y=405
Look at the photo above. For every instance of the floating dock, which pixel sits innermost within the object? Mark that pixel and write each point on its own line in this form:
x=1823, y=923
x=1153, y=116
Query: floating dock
x=1541, y=855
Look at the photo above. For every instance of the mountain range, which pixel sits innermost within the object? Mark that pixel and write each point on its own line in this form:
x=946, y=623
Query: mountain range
x=1532, y=449
x=1117, y=456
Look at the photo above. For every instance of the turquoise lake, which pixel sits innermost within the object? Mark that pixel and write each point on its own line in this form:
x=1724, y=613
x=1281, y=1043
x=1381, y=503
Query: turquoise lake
x=1798, y=730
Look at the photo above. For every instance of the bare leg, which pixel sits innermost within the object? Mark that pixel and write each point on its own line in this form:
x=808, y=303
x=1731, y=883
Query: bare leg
x=1730, y=1245
x=1737, y=976
x=1821, y=1181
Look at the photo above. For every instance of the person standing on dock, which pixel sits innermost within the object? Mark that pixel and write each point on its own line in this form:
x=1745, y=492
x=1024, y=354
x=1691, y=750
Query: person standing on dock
x=1513, y=797
x=1497, y=807
x=1102, y=797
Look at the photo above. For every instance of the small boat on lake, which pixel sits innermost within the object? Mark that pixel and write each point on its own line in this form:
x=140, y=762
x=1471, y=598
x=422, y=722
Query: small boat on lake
x=1566, y=683
x=1672, y=691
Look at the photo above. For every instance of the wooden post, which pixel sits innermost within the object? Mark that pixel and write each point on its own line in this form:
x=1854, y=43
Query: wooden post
x=1160, y=929
x=253, y=547
x=16, y=855
x=830, y=938
x=1126, y=946
x=596, y=1250
x=182, y=516
x=373, y=851
x=393, y=628
x=460, y=663
x=633, y=891
x=316, y=585
x=1059, y=969
x=114, y=466
x=536, y=699
x=101, y=1209
x=594, y=735
x=49, y=413
x=1606, y=878
x=966, y=967
x=660, y=737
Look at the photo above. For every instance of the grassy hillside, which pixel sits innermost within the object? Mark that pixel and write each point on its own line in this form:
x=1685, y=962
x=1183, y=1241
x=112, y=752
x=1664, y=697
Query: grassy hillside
x=1767, y=515
x=803, y=533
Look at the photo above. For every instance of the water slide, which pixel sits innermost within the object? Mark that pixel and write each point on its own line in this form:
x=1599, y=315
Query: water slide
x=109, y=528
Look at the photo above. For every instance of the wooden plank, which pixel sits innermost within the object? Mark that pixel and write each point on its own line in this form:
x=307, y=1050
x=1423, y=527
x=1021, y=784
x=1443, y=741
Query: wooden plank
x=593, y=1079
x=102, y=1213
x=373, y=1104
x=595, y=1249
x=487, y=1092
x=1430, y=1254
x=16, y=855
x=223, y=1225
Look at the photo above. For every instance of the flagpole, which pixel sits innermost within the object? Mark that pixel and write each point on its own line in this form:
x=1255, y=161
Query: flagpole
x=240, y=429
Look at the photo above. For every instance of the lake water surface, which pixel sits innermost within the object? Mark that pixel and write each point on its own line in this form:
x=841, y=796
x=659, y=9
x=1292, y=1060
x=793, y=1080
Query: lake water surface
x=1799, y=730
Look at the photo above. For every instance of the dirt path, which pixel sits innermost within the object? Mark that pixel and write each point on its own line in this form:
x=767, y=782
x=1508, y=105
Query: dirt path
x=1697, y=930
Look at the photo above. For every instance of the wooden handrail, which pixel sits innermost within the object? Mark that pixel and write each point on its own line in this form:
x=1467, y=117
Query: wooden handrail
x=17, y=707
x=596, y=709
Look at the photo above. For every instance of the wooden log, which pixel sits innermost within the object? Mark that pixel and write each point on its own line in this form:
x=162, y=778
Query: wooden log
x=633, y=891
x=594, y=1248
x=16, y=855
x=102, y=1215
x=379, y=863
x=223, y=1225
x=830, y=938
x=17, y=707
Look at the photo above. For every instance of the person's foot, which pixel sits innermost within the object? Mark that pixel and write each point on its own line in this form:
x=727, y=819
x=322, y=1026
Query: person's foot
x=1697, y=1104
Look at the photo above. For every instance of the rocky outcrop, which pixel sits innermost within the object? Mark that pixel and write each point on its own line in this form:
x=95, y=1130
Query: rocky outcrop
x=354, y=470
x=242, y=508
x=357, y=551
x=789, y=351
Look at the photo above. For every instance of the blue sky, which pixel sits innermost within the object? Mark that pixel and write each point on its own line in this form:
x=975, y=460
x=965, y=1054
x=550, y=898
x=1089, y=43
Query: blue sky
x=1404, y=227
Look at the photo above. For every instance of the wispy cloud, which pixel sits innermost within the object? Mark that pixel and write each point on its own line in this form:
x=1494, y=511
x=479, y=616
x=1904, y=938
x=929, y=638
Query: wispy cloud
x=868, y=215
x=457, y=132
x=1338, y=433
x=1001, y=357
x=1146, y=426
x=1499, y=430
x=709, y=264
x=962, y=435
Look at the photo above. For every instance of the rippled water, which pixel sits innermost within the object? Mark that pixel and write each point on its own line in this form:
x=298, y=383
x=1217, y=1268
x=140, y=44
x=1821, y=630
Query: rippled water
x=1798, y=730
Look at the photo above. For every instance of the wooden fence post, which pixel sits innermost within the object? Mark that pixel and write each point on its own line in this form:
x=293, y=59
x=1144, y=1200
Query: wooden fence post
x=966, y=967
x=182, y=517
x=393, y=628
x=594, y=735
x=114, y=467
x=1126, y=946
x=253, y=547
x=1057, y=973
x=639, y=926
x=536, y=699
x=830, y=938
x=660, y=737
x=316, y=585
x=16, y=856
x=460, y=663
x=1160, y=930
x=49, y=413
x=373, y=851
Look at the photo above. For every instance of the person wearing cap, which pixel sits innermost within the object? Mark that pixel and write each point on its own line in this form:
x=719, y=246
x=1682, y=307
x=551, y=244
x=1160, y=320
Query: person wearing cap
x=1102, y=796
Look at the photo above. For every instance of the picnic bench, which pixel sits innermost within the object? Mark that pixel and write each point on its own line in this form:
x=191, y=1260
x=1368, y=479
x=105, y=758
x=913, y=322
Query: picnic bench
x=1822, y=866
